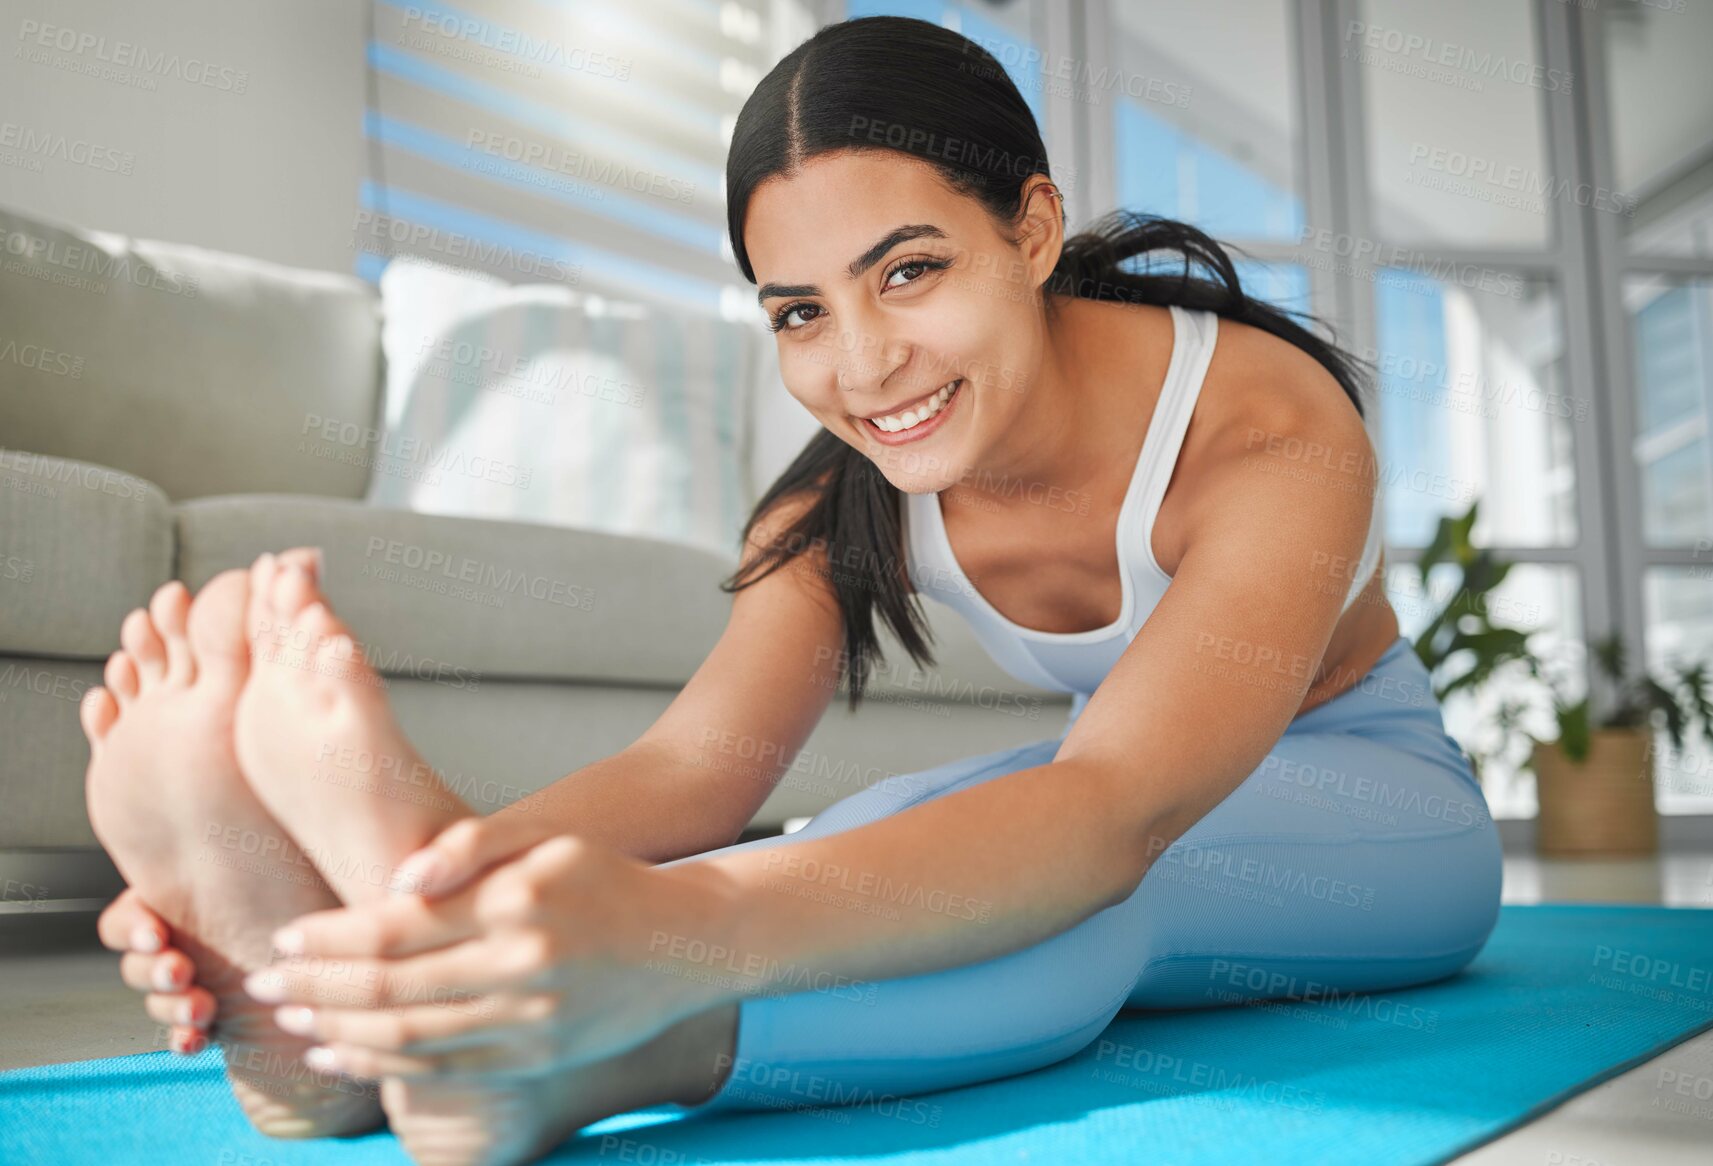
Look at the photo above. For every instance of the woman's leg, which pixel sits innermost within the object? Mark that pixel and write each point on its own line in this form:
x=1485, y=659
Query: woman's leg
x=1358, y=856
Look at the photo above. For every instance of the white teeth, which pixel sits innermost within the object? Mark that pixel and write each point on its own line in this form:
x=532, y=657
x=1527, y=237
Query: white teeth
x=911, y=418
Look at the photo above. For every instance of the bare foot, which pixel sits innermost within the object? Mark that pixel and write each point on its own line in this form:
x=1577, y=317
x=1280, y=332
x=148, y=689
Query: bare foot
x=525, y=1121
x=167, y=801
x=317, y=740
x=319, y=744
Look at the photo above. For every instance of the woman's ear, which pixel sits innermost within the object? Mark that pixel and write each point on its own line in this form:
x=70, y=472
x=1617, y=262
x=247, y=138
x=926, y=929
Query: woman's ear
x=1042, y=231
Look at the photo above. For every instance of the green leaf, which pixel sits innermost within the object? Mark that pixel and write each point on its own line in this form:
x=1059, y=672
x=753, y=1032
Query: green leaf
x=1664, y=702
x=1574, y=736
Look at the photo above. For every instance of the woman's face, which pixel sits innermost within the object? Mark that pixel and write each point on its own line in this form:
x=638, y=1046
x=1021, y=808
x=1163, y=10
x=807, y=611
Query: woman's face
x=887, y=289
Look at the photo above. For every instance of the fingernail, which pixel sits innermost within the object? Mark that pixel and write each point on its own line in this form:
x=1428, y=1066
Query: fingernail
x=145, y=939
x=321, y=1057
x=288, y=941
x=418, y=872
x=187, y=1042
x=268, y=987
x=296, y=1019
x=164, y=978
x=184, y=1013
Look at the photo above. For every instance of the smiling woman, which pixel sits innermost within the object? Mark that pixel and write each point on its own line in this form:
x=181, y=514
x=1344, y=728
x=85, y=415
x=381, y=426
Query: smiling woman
x=888, y=185
x=1254, y=795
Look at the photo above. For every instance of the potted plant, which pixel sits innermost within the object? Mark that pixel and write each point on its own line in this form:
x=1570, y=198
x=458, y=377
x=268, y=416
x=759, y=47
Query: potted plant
x=1460, y=645
x=1595, y=780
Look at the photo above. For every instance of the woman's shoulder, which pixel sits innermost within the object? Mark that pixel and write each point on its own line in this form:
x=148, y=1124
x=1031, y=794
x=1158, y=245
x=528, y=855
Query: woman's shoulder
x=1258, y=383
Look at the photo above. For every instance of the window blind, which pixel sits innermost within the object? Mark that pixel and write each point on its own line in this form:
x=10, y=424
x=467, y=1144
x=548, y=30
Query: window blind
x=562, y=140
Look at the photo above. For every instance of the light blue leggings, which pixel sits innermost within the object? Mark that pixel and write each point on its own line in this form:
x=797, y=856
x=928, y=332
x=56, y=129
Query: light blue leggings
x=1359, y=856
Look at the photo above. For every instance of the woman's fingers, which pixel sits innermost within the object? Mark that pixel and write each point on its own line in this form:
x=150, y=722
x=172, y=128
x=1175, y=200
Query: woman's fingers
x=128, y=925
x=416, y=1031
x=526, y=1051
x=169, y=972
x=194, y=1008
x=163, y=973
x=437, y=978
x=186, y=1040
x=403, y=925
x=465, y=849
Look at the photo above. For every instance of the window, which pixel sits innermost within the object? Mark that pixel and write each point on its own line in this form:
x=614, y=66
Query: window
x=1506, y=206
x=1456, y=144
x=1655, y=197
x=581, y=143
x=1190, y=142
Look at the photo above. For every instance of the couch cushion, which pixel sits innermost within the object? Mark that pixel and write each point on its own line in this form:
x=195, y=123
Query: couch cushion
x=455, y=600
x=436, y=597
x=540, y=403
x=203, y=372
x=80, y=546
x=45, y=754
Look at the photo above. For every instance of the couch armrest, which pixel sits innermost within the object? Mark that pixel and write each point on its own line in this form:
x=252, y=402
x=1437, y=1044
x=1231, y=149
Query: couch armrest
x=80, y=546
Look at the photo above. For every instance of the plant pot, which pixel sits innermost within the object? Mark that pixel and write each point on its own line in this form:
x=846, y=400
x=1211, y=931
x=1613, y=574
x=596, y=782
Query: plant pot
x=1602, y=806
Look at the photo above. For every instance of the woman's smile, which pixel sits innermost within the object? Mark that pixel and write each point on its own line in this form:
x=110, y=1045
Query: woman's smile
x=918, y=420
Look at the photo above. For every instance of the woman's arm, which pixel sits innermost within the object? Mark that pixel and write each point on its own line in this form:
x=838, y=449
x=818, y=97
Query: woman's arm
x=962, y=878
x=1192, y=707
x=647, y=801
x=568, y=934
x=696, y=778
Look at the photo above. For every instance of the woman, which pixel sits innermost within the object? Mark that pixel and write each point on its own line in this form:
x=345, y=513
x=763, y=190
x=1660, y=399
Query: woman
x=1254, y=795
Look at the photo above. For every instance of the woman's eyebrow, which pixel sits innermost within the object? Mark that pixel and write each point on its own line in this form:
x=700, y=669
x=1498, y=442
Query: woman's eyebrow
x=858, y=265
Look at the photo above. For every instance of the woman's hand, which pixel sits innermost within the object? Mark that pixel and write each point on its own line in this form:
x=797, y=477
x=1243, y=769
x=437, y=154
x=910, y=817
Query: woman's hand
x=468, y=847
x=571, y=953
x=165, y=973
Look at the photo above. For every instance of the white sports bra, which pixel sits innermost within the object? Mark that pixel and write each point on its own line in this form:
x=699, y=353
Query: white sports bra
x=1078, y=661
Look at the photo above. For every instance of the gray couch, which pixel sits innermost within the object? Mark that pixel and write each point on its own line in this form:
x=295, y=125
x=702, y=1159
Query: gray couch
x=164, y=413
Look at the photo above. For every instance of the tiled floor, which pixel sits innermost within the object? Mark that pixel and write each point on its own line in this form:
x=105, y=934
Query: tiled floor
x=62, y=1001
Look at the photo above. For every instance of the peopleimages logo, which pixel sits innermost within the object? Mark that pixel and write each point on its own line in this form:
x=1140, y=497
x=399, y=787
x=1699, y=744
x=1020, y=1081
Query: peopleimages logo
x=124, y=54
x=60, y=148
x=537, y=50
x=1430, y=53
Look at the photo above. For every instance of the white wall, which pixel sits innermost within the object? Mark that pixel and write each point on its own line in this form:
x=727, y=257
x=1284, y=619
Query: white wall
x=263, y=159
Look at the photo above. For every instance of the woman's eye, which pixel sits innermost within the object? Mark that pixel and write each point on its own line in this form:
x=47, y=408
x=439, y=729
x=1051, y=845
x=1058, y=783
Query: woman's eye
x=787, y=320
x=917, y=267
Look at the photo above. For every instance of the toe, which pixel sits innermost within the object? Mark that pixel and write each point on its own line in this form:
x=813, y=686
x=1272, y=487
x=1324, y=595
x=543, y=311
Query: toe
x=217, y=623
x=169, y=610
x=139, y=638
x=99, y=712
x=120, y=676
x=337, y=654
x=259, y=622
x=309, y=558
x=322, y=626
x=294, y=589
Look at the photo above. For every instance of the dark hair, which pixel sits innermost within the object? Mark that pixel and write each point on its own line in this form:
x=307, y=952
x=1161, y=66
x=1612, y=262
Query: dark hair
x=901, y=84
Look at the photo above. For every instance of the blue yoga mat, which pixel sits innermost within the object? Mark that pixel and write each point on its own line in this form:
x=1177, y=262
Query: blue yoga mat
x=1561, y=998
